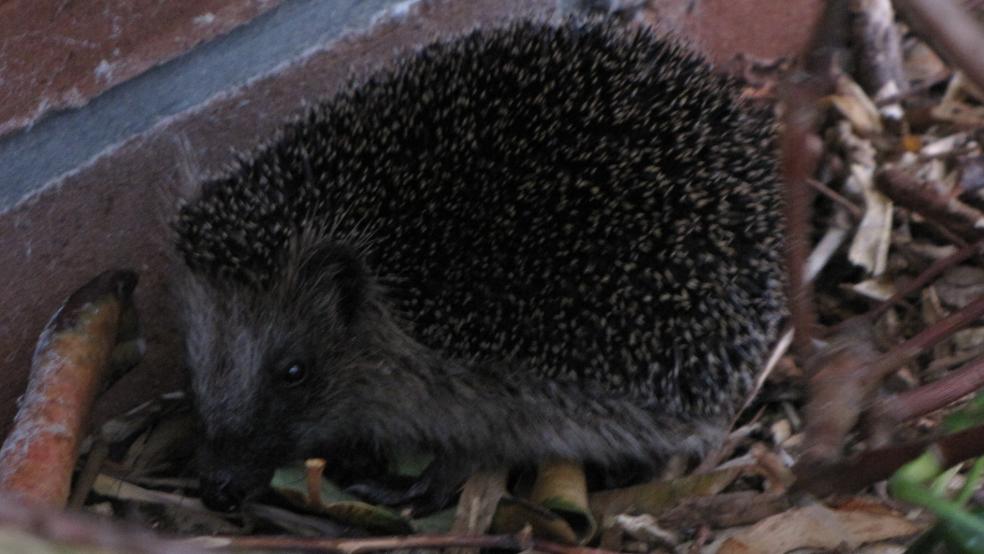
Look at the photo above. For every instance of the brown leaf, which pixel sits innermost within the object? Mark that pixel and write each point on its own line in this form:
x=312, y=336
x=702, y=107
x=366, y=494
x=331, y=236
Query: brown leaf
x=822, y=528
x=656, y=497
x=561, y=488
x=476, y=507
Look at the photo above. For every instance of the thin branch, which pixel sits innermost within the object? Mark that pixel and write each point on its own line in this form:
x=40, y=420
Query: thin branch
x=856, y=212
x=925, y=399
x=933, y=200
x=74, y=530
x=933, y=334
x=840, y=385
x=872, y=466
x=952, y=30
x=913, y=90
x=72, y=363
x=518, y=542
x=725, y=510
x=927, y=276
x=846, y=378
x=878, y=48
x=799, y=153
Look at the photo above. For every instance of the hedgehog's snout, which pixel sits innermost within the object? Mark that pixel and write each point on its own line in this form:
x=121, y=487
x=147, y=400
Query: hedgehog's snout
x=226, y=482
x=220, y=491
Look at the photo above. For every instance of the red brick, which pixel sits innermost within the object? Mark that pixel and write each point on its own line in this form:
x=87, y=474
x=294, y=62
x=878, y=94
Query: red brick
x=57, y=54
x=761, y=28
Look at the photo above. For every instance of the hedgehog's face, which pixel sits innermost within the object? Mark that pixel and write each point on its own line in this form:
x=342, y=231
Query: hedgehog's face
x=271, y=369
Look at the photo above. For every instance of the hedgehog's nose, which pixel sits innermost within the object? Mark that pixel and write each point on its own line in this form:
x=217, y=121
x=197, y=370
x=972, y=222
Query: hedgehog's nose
x=219, y=491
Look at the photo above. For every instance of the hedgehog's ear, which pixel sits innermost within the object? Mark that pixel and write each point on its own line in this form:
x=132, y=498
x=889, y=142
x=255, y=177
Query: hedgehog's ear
x=341, y=268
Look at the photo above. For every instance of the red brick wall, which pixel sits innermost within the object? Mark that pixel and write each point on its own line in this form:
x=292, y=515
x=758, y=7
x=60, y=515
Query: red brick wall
x=57, y=54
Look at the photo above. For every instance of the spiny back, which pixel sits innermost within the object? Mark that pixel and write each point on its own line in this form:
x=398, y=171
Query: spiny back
x=587, y=202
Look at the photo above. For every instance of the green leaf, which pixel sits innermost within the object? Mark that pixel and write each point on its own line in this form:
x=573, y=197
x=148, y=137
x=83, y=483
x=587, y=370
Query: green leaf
x=290, y=482
x=514, y=514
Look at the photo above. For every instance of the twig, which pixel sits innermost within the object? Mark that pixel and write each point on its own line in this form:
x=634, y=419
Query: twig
x=98, y=454
x=951, y=30
x=119, y=489
x=946, y=234
x=913, y=90
x=70, y=367
x=876, y=465
x=837, y=198
x=933, y=200
x=799, y=148
x=75, y=530
x=517, y=542
x=927, y=276
x=313, y=470
x=840, y=385
x=476, y=507
x=722, y=511
x=846, y=378
x=295, y=522
x=878, y=47
x=800, y=153
x=914, y=403
x=928, y=338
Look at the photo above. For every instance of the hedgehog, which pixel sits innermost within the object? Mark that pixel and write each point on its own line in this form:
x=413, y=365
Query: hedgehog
x=534, y=241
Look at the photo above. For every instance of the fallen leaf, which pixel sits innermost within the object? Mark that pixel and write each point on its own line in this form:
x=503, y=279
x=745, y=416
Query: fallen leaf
x=869, y=248
x=658, y=496
x=819, y=527
x=514, y=514
x=562, y=488
x=290, y=482
x=960, y=286
x=855, y=105
x=476, y=506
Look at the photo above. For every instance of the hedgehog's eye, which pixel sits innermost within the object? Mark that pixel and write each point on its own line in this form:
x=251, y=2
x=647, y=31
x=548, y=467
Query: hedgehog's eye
x=293, y=374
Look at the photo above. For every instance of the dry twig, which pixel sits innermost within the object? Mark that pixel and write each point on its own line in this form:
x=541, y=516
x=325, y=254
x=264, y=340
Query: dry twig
x=932, y=200
x=70, y=366
x=849, y=476
x=800, y=149
x=952, y=30
x=933, y=396
x=517, y=542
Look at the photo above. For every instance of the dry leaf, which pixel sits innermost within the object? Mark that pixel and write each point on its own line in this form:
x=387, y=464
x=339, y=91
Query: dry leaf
x=818, y=527
x=515, y=514
x=870, y=246
x=921, y=63
x=971, y=175
x=943, y=146
x=476, y=507
x=869, y=249
x=292, y=483
x=960, y=286
x=911, y=143
x=658, y=496
x=646, y=529
x=876, y=289
x=562, y=488
x=954, y=109
x=852, y=102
